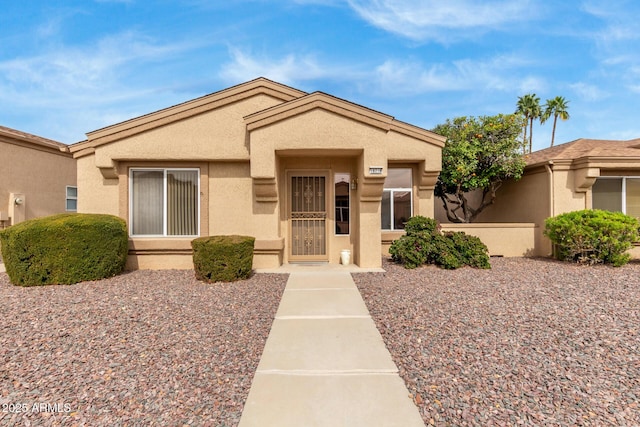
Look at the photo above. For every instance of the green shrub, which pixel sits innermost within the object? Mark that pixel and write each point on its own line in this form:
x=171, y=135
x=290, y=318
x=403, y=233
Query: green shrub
x=592, y=236
x=425, y=244
x=412, y=251
x=470, y=249
x=64, y=249
x=420, y=224
x=445, y=253
x=223, y=258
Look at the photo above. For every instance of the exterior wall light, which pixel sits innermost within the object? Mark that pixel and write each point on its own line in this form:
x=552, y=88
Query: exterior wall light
x=18, y=201
x=354, y=184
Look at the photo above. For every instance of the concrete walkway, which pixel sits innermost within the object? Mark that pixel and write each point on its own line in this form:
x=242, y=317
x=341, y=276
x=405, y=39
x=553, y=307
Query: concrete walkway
x=325, y=364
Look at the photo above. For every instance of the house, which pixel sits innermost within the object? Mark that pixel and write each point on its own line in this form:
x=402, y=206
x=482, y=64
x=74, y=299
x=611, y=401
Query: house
x=581, y=174
x=307, y=174
x=37, y=177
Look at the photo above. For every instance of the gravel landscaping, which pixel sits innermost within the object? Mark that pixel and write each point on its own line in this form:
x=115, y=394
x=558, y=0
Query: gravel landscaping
x=530, y=342
x=144, y=348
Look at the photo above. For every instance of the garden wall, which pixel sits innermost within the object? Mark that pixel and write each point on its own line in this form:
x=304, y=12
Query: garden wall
x=502, y=239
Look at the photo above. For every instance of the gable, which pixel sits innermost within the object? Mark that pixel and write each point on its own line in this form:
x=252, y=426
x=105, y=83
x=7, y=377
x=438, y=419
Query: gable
x=338, y=108
x=258, y=87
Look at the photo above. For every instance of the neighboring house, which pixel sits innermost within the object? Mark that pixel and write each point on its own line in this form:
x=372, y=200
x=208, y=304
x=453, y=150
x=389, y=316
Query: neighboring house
x=37, y=177
x=582, y=174
x=308, y=175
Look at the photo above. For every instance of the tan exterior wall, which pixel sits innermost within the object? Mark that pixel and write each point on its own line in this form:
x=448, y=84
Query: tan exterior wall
x=38, y=176
x=525, y=201
x=219, y=134
x=96, y=194
x=502, y=239
x=544, y=191
x=246, y=150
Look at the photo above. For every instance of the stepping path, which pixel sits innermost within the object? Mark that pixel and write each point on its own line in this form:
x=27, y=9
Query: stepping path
x=325, y=364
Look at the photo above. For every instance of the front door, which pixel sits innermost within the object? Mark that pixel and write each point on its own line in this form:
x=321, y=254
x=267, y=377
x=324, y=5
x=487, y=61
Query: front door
x=307, y=218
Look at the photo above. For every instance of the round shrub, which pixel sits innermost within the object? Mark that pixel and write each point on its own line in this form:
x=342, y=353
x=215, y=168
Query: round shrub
x=223, y=258
x=592, y=236
x=64, y=249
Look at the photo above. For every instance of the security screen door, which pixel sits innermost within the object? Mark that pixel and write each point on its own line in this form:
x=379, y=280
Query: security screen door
x=307, y=216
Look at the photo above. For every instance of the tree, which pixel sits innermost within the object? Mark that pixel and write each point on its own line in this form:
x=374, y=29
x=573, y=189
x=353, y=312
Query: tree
x=479, y=154
x=529, y=106
x=521, y=108
x=556, y=107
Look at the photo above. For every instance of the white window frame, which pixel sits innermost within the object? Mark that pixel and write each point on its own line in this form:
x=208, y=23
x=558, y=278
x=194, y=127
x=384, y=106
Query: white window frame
x=67, y=198
x=164, y=202
x=623, y=190
x=392, y=190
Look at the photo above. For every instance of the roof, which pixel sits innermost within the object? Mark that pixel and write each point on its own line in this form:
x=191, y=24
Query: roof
x=187, y=109
x=293, y=101
x=32, y=141
x=586, y=148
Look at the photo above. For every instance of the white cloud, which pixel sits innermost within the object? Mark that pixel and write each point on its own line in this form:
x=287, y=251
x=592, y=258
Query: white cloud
x=289, y=69
x=88, y=83
x=442, y=21
x=412, y=77
x=588, y=92
x=619, y=19
x=73, y=71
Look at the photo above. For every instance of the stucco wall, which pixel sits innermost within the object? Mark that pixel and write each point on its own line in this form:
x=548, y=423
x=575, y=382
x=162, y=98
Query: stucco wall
x=502, y=239
x=40, y=175
x=525, y=201
x=318, y=130
x=232, y=207
x=217, y=134
x=95, y=193
x=245, y=150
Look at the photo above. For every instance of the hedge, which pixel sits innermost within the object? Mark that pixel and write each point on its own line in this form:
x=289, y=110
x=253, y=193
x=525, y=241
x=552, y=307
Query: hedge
x=64, y=249
x=223, y=258
x=592, y=236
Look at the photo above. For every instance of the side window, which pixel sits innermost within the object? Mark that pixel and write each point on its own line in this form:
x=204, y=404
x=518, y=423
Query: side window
x=341, y=194
x=397, y=198
x=71, y=202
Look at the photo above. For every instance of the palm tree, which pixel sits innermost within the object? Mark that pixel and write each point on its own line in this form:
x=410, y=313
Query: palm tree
x=529, y=106
x=556, y=107
x=521, y=109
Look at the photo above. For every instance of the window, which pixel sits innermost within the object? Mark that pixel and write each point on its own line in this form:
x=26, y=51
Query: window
x=617, y=195
x=164, y=202
x=397, y=199
x=341, y=194
x=72, y=199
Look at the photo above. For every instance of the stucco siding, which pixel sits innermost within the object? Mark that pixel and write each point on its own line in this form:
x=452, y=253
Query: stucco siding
x=217, y=134
x=232, y=207
x=40, y=175
x=95, y=193
x=404, y=148
x=318, y=130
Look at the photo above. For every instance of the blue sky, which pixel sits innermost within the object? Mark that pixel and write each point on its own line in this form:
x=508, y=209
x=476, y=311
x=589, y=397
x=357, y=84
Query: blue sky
x=71, y=67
